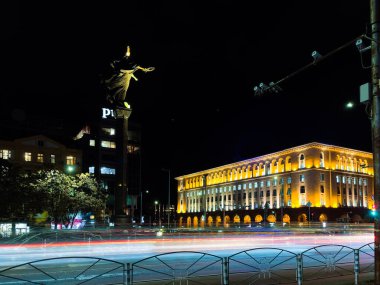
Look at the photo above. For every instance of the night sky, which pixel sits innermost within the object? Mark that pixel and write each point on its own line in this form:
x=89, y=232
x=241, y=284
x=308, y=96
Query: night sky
x=197, y=110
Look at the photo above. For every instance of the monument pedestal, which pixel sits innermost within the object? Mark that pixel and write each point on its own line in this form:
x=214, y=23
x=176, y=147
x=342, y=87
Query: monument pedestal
x=123, y=217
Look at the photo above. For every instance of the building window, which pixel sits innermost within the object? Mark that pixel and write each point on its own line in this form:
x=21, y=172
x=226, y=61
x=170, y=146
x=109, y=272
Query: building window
x=92, y=143
x=28, y=156
x=322, y=177
x=337, y=179
x=302, y=189
x=52, y=158
x=268, y=193
x=108, y=144
x=255, y=184
x=40, y=157
x=70, y=160
x=322, y=159
x=108, y=131
x=261, y=183
x=107, y=170
x=344, y=179
x=338, y=190
x=322, y=189
x=302, y=161
x=274, y=192
x=91, y=169
x=275, y=181
x=302, y=178
x=289, y=180
x=5, y=154
x=268, y=183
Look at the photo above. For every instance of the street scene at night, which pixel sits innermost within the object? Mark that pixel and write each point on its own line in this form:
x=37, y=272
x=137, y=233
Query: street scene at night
x=189, y=142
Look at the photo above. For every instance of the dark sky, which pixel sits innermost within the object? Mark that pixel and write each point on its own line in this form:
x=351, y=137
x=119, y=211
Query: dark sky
x=197, y=109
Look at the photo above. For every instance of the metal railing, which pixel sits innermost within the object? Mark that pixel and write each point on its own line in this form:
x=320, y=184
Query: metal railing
x=66, y=270
x=255, y=266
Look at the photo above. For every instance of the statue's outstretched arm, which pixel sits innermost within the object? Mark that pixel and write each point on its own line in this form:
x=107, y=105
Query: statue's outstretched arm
x=147, y=69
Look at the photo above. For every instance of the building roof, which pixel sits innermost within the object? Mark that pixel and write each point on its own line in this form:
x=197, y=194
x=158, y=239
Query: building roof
x=321, y=146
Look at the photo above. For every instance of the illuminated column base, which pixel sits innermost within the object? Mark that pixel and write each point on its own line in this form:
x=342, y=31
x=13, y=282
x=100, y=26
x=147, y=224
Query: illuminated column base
x=123, y=214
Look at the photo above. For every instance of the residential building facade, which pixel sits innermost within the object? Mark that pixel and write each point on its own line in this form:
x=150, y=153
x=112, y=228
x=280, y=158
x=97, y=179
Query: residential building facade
x=41, y=152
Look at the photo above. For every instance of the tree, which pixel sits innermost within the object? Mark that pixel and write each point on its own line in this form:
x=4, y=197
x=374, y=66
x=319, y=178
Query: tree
x=17, y=199
x=63, y=196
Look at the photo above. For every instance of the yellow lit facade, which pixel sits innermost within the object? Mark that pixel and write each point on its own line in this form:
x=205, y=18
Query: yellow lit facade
x=316, y=173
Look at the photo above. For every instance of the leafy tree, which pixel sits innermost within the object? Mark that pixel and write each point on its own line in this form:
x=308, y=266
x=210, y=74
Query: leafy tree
x=17, y=199
x=63, y=196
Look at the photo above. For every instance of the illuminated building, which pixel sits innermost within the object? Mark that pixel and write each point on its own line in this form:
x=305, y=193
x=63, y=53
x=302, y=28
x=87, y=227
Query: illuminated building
x=285, y=184
x=102, y=145
x=41, y=152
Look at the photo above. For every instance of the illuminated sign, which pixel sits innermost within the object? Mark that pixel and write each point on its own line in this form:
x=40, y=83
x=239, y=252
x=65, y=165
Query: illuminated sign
x=106, y=113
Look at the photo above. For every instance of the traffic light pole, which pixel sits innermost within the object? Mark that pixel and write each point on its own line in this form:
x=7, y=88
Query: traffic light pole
x=375, y=126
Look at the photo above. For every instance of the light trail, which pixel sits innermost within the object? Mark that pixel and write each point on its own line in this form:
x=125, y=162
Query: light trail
x=132, y=250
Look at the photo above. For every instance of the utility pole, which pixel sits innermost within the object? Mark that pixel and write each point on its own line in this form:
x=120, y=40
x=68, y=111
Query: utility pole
x=375, y=126
x=168, y=209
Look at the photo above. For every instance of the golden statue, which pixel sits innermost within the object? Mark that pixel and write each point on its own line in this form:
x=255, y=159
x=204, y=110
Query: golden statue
x=122, y=72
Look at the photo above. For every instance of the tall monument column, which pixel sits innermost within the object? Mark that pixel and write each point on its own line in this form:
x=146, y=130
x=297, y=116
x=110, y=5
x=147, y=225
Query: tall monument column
x=117, y=84
x=122, y=212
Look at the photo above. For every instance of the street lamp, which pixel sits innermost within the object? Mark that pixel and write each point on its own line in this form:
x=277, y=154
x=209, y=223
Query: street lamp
x=168, y=209
x=141, y=198
x=155, y=210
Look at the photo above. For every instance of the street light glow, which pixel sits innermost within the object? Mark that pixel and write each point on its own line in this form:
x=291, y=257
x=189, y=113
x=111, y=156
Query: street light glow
x=349, y=105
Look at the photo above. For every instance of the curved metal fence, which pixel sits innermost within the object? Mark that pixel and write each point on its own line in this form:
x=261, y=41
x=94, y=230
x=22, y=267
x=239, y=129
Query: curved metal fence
x=367, y=258
x=65, y=270
x=327, y=261
x=184, y=267
x=263, y=266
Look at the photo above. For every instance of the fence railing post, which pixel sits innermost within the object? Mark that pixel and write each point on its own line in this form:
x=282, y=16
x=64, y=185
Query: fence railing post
x=299, y=269
x=128, y=272
x=225, y=271
x=356, y=266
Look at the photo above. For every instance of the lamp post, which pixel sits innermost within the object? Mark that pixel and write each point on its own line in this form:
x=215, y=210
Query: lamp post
x=141, y=198
x=168, y=209
x=155, y=210
x=375, y=124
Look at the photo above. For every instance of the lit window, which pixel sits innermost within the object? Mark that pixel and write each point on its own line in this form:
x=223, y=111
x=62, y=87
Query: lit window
x=322, y=159
x=261, y=183
x=107, y=170
x=302, y=178
x=289, y=180
x=268, y=183
x=337, y=179
x=302, y=161
x=52, y=158
x=92, y=142
x=344, y=179
x=91, y=169
x=28, y=156
x=108, y=144
x=109, y=131
x=5, y=154
x=40, y=157
x=255, y=184
x=71, y=160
